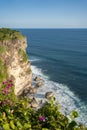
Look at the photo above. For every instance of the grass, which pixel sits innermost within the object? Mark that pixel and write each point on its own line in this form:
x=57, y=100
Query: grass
x=23, y=55
x=3, y=71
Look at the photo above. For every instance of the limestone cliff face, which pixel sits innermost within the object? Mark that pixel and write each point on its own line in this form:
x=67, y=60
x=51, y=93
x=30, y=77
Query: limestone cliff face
x=17, y=63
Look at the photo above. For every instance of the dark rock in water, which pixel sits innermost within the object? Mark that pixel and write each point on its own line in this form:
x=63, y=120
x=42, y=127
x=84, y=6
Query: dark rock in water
x=33, y=90
x=49, y=95
x=34, y=103
x=37, y=79
x=39, y=84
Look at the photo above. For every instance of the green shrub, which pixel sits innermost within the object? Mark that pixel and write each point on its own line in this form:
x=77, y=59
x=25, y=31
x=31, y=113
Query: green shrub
x=8, y=34
x=16, y=115
x=23, y=55
x=2, y=49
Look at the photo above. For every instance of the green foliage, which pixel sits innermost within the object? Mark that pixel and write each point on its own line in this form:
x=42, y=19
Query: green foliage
x=3, y=71
x=15, y=114
x=73, y=115
x=2, y=49
x=8, y=34
x=23, y=55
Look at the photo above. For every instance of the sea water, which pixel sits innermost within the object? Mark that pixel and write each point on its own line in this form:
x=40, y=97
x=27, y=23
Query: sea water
x=59, y=57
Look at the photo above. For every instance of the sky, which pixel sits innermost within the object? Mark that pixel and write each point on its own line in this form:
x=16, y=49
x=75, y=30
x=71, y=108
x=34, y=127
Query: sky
x=43, y=13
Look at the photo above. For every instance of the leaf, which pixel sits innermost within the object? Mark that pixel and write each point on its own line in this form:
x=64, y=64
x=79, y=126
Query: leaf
x=44, y=129
x=73, y=114
x=19, y=124
x=12, y=124
x=27, y=125
x=6, y=126
x=72, y=125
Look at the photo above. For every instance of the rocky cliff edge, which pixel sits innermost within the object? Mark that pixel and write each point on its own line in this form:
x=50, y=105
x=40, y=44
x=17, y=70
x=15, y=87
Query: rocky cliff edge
x=14, y=63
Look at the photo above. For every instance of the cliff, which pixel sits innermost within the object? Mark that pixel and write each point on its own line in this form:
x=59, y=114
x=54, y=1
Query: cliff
x=14, y=63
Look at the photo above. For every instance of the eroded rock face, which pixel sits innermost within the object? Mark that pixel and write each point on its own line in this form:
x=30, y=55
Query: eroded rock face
x=18, y=66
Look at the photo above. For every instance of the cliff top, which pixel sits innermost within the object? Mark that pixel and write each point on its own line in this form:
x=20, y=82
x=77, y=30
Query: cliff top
x=8, y=34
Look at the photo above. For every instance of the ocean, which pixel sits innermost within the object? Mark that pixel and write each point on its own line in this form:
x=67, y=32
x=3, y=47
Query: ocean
x=59, y=57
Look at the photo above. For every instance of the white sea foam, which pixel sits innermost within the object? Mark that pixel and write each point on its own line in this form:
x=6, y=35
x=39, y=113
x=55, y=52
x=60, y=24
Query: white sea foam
x=67, y=99
x=34, y=59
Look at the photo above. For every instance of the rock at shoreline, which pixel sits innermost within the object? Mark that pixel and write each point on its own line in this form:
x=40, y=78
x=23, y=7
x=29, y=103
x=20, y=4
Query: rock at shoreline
x=37, y=79
x=32, y=90
x=49, y=95
x=39, y=84
x=34, y=103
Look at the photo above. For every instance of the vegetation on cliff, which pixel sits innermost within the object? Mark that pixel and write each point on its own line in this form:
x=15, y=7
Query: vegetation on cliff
x=3, y=68
x=8, y=34
x=14, y=61
x=16, y=112
x=23, y=54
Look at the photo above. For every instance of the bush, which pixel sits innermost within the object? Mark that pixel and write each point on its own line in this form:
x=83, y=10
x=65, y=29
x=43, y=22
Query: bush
x=8, y=34
x=16, y=115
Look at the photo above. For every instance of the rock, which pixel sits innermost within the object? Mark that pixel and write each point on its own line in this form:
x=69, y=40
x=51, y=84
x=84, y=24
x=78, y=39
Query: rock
x=19, y=71
x=20, y=93
x=1, y=128
x=26, y=91
x=49, y=95
x=30, y=97
x=23, y=92
x=34, y=103
x=33, y=90
x=39, y=84
x=37, y=79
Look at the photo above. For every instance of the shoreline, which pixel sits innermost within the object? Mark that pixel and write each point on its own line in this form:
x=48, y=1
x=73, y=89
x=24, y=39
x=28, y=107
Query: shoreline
x=64, y=96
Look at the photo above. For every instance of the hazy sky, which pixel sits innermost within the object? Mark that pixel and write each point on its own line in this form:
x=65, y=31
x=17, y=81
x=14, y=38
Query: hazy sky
x=43, y=13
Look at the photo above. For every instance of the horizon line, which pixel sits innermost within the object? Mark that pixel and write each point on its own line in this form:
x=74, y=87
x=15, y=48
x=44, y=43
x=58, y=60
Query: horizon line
x=48, y=28
x=42, y=28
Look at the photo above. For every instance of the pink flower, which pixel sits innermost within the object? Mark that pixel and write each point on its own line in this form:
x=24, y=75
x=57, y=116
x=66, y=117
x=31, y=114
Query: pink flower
x=41, y=118
x=11, y=85
x=10, y=80
x=5, y=82
x=8, y=87
x=7, y=90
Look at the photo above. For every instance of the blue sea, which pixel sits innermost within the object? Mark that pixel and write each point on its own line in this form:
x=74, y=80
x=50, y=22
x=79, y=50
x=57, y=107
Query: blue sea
x=59, y=57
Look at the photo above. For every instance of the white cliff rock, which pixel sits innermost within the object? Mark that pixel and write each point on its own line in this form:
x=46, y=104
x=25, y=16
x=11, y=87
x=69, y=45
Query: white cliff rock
x=18, y=65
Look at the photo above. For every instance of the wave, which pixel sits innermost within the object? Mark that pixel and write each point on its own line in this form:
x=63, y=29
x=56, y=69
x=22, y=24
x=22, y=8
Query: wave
x=67, y=99
x=33, y=59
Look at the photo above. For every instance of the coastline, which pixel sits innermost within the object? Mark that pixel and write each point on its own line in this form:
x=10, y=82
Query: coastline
x=18, y=104
x=66, y=98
